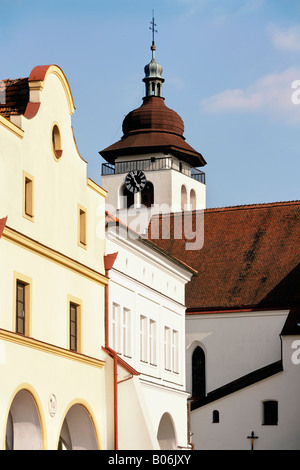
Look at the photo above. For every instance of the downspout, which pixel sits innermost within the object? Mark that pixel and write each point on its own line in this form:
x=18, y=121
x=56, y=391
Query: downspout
x=108, y=264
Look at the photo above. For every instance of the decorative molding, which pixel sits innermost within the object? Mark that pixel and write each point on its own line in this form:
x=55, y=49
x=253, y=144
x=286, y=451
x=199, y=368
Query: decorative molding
x=11, y=127
x=52, y=255
x=49, y=348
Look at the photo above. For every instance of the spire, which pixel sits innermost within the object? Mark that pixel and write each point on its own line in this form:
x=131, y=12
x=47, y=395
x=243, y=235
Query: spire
x=153, y=71
x=152, y=27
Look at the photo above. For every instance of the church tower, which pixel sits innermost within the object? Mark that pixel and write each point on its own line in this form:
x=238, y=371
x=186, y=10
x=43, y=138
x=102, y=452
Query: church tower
x=152, y=165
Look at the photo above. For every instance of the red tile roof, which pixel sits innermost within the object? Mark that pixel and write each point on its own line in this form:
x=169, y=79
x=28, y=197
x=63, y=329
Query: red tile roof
x=14, y=96
x=250, y=257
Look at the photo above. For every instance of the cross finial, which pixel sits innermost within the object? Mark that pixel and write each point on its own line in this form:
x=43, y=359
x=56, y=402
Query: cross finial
x=153, y=25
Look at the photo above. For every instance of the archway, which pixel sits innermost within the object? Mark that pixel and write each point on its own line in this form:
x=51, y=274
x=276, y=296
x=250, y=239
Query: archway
x=127, y=198
x=77, y=432
x=23, y=428
x=147, y=195
x=166, y=433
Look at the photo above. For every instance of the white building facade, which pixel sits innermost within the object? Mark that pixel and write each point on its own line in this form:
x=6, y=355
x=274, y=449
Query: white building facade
x=147, y=330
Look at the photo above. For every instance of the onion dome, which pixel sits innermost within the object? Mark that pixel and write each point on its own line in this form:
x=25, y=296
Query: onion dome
x=153, y=127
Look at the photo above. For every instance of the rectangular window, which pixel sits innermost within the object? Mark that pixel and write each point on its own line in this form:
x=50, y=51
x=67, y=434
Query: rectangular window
x=175, y=351
x=126, y=332
x=28, y=197
x=148, y=340
x=21, y=309
x=74, y=325
x=171, y=350
x=120, y=335
x=167, y=348
x=152, y=342
x=23, y=304
x=82, y=226
x=270, y=412
x=143, y=339
x=114, y=325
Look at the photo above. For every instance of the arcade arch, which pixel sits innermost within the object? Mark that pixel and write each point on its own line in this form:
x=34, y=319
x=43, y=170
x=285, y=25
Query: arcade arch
x=77, y=431
x=166, y=433
x=23, y=427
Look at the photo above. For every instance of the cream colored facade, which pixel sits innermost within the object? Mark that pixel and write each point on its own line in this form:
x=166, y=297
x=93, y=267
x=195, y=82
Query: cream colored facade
x=53, y=244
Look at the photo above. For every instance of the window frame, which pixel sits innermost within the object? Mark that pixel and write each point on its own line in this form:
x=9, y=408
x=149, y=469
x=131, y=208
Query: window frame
x=26, y=282
x=28, y=196
x=77, y=304
x=82, y=226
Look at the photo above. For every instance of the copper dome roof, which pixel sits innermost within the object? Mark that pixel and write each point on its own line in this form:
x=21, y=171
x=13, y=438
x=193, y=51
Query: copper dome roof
x=155, y=116
x=153, y=127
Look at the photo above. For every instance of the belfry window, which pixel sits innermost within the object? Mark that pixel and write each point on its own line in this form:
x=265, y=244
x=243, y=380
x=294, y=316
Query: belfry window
x=128, y=198
x=147, y=195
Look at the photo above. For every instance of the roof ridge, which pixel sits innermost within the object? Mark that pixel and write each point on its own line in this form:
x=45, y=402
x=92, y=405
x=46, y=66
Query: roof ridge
x=259, y=205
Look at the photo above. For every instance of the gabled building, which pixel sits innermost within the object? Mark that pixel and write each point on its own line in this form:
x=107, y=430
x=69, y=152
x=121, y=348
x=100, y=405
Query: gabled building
x=55, y=388
x=243, y=326
x=146, y=329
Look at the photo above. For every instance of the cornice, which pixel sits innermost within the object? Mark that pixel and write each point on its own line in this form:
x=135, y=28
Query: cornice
x=49, y=348
x=11, y=127
x=54, y=256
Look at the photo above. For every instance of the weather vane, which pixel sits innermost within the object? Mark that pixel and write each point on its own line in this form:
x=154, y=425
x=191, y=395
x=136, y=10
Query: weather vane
x=152, y=27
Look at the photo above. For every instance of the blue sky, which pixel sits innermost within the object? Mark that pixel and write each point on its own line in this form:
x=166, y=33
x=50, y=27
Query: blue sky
x=229, y=66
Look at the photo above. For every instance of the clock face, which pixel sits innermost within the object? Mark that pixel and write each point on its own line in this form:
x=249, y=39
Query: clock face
x=135, y=181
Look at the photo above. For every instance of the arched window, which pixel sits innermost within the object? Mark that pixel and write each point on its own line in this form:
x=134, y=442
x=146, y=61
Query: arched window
x=128, y=198
x=270, y=412
x=147, y=195
x=193, y=199
x=183, y=197
x=198, y=373
x=216, y=416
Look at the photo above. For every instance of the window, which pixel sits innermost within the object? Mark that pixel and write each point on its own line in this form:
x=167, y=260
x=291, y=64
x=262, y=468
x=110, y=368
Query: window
x=120, y=330
x=148, y=340
x=82, y=226
x=171, y=349
x=193, y=200
x=126, y=349
x=183, y=197
x=147, y=195
x=73, y=327
x=175, y=351
x=74, y=324
x=127, y=198
x=56, y=142
x=198, y=372
x=28, y=196
x=114, y=326
x=143, y=339
x=21, y=309
x=23, y=304
x=216, y=416
x=152, y=342
x=270, y=412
